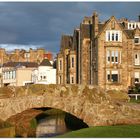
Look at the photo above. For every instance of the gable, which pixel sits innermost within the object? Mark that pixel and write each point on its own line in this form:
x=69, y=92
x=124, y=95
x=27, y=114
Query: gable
x=137, y=32
x=112, y=24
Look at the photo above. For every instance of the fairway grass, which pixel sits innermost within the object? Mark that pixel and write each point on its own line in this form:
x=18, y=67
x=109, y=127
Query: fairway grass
x=118, y=131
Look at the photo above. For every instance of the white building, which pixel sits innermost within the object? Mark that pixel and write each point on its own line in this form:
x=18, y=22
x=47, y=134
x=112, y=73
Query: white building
x=44, y=74
x=17, y=73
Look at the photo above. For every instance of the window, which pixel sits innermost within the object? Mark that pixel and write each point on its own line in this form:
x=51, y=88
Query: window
x=27, y=55
x=133, y=25
x=114, y=56
x=137, y=77
x=137, y=59
x=113, y=76
x=137, y=40
x=41, y=77
x=14, y=74
x=60, y=79
x=60, y=65
x=108, y=36
x=108, y=56
x=72, y=80
x=117, y=37
x=113, y=35
x=72, y=62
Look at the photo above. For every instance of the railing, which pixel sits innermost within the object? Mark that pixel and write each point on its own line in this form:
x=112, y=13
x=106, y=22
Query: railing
x=136, y=95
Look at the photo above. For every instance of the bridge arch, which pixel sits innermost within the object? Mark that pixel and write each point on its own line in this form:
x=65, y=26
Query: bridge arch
x=90, y=104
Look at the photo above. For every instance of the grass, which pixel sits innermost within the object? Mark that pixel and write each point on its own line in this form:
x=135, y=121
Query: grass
x=118, y=131
x=133, y=100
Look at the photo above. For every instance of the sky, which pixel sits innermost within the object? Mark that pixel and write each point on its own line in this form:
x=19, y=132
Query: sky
x=27, y=25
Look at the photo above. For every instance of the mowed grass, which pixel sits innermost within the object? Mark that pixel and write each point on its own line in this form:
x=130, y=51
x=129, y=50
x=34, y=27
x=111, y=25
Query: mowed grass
x=133, y=100
x=119, y=131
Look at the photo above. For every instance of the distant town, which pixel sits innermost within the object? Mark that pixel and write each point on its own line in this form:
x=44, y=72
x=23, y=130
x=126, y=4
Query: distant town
x=21, y=67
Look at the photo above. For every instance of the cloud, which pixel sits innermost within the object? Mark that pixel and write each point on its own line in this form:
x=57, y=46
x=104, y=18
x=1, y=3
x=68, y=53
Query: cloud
x=43, y=23
x=11, y=47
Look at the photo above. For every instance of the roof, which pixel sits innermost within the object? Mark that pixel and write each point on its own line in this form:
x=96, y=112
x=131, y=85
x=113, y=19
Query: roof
x=85, y=30
x=18, y=64
x=130, y=33
x=45, y=62
x=100, y=26
x=66, y=41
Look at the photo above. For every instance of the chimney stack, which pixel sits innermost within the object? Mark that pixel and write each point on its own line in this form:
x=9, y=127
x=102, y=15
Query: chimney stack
x=95, y=22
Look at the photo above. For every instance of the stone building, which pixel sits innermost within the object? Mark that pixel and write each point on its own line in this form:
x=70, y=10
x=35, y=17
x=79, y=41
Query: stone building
x=18, y=55
x=106, y=54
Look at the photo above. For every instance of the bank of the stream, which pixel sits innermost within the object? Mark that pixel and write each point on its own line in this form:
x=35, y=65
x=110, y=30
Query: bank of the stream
x=119, y=131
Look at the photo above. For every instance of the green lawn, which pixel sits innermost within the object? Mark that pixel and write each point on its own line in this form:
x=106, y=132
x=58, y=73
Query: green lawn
x=133, y=100
x=119, y=131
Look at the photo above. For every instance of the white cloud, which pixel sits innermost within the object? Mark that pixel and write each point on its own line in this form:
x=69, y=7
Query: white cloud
x=11, y=47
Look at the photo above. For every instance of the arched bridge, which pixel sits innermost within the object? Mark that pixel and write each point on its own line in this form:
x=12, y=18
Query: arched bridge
x=88, y=103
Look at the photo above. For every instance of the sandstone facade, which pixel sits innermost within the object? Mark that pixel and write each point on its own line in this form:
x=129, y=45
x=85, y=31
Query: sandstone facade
x=107, y=53
x=24, y=56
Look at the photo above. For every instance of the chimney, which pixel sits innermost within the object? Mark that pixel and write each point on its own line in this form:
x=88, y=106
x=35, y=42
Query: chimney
x=95, y=22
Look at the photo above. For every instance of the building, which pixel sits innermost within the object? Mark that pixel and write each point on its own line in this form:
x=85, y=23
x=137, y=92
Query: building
x=106, y=54
x=17, y=73
x=18, y=55
x=44, y=74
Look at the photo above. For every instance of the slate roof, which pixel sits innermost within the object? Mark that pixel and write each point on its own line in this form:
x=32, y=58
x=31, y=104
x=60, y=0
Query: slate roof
x=100, y=26
x=130, y=33
x=66, y=41
x=45, y=62
x=19, y=64
x=85, y=30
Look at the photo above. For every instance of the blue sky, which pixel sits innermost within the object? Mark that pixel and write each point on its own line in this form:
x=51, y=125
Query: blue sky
x=41, y=24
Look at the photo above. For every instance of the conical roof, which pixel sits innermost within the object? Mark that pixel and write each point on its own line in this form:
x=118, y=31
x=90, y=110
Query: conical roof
x=45, y=62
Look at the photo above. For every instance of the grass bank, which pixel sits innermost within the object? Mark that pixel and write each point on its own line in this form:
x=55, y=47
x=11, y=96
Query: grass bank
x=119, y=131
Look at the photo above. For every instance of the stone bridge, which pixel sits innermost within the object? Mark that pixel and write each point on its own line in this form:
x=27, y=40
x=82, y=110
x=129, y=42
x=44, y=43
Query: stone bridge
x=93, y=105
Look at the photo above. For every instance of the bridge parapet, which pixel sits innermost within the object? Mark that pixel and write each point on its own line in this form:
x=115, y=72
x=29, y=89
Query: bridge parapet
x=91, y=104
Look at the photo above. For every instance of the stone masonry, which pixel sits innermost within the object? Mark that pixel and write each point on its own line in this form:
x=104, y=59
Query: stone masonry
x=91, y=104
x=107, y=53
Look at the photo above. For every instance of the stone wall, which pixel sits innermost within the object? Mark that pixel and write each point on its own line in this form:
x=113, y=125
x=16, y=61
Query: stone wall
x=93, y=105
